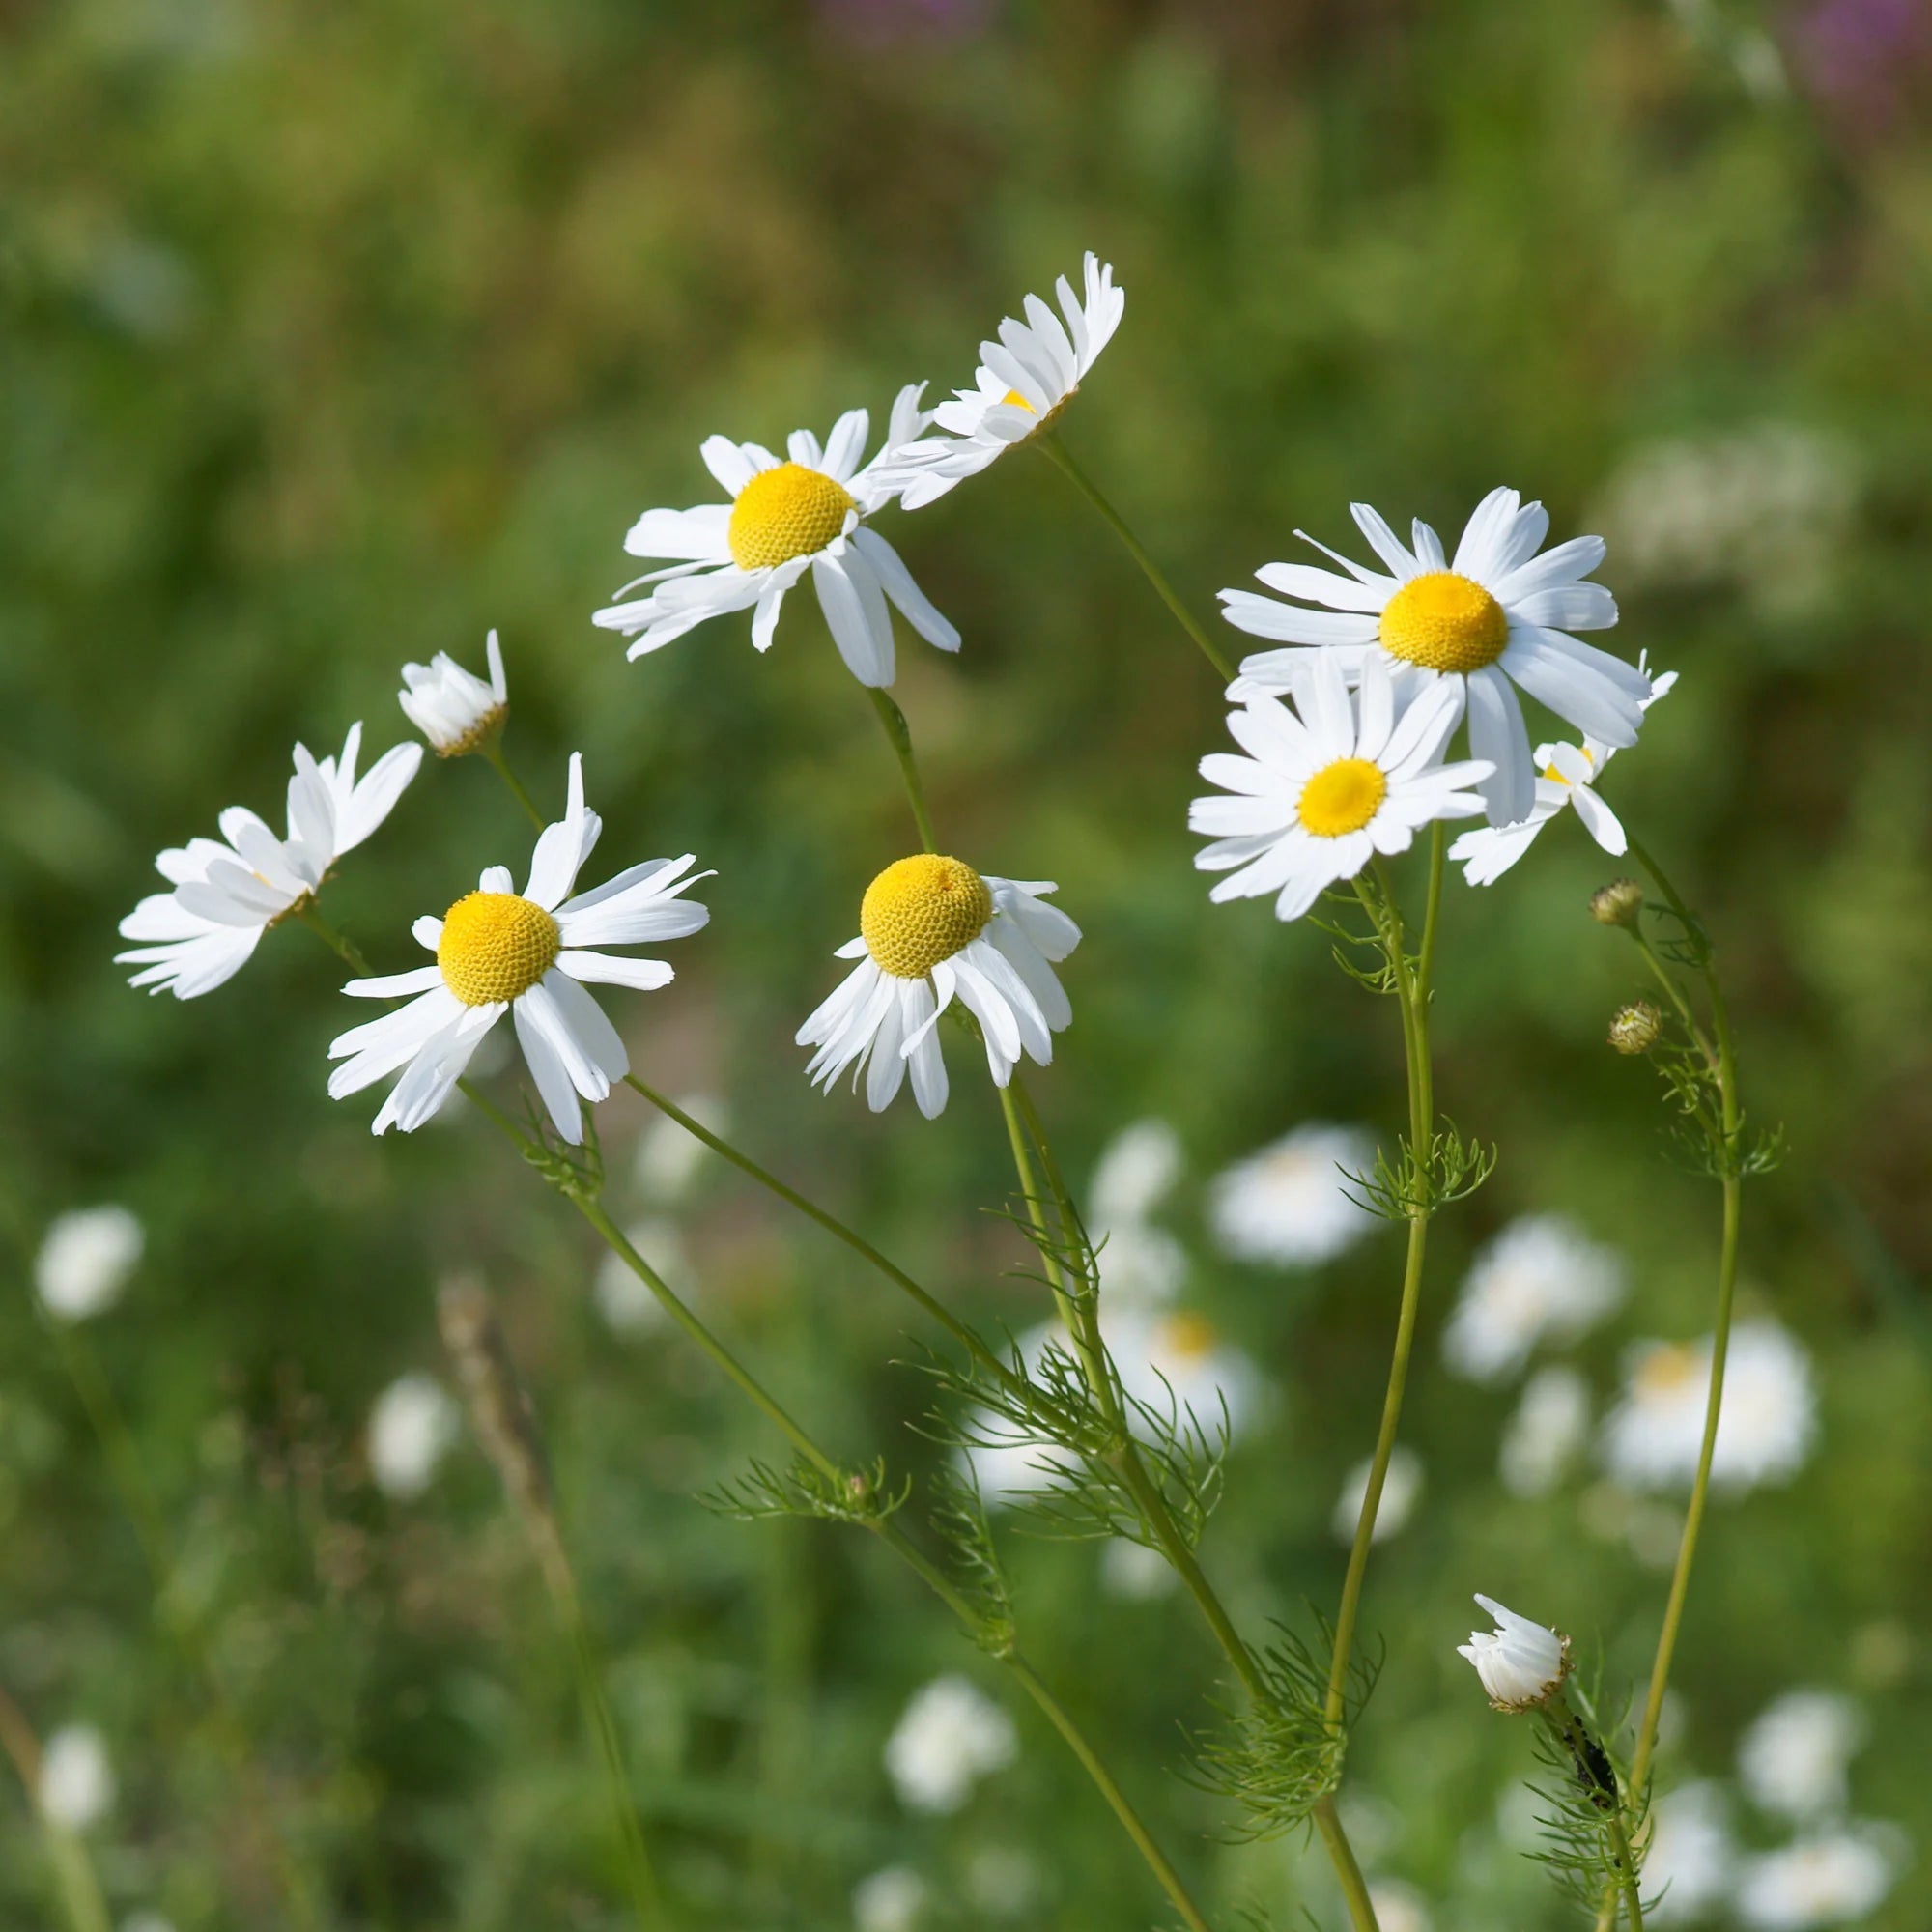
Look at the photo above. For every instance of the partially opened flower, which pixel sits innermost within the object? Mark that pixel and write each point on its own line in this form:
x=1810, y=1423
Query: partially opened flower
x=228, y=892
x=1023, y=382
x=529, y=954
x=1322, y=792
x=1522, y=1663
x=804, y=511
x=454, y=709
x=931, y=929
x=1567, y=775
x=1496, y=618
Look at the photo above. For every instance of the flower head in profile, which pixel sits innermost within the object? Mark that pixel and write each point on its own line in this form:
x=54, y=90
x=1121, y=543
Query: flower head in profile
x=1327, y=786
x=529, y=954
x=85, y=1260
x=1765, y=1428
x=1567, y=775
x=1289, y=1204
x=1494, y=619
x=453, y=708
x=1542, y=1279
x=1522, y=1663
x=932, y=929
x=951, y=1736
x=226, y=893
x=806, y=510
x=1024, y=380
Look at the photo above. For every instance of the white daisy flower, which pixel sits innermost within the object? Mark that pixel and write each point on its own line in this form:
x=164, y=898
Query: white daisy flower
x=1321, y=793
x=455, y=710
x=1691, y=1860
x=529, y=955
x=1522, y=1662
x=1024, y=380
x=1549, y=1426
x=76, y=1786
x=951, y=1736
x=892, y=1900
x=805, y=511
x=1494, y=619
x=1402, y=1490
x=85, y=1260
x=1795, y=1757
x=1765, y=1428
x=930, y=928
x=1830, y=1878
x=228, y=892
x=1542, y=1279
x=411, y=1426
x=1140, y=1263
x=1288, y=1205
x=1567, y=775
x=1399, y=1907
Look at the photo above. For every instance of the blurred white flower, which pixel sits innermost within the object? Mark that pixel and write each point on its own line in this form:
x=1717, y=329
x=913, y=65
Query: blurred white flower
x=1767, y=1426
x=76, y=1782
x=1794, y=1758
x=1547, y=1431
x=1133, y=1571
x=226, y=893
x=892, y=1900
x=1402, y=1490
x=1691, y=1860
x=85, y=1260
x=626, y=1304
x=1141, y=1265
x=1399, y=1907
x=411, y=1425
x=456, y=711
x=1178, y=1361
x=669, y=1158
x=1521, y=1662
x=146, y=1921
x=1765, y=507
x=1828, y=1878
x=1542, y=1279
x=1286, y=1206
x=951, y=1736
x=1135, y=1174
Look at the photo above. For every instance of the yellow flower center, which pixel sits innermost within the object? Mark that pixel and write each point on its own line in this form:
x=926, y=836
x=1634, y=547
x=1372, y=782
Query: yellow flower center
x=787, y=512
x=921, y=910
x=496, y=945
x=1666, y=1370
x=1446, y=622
x=1342, y=797
x=1556, y=778
x=1188, y=1337
x=1019, y=402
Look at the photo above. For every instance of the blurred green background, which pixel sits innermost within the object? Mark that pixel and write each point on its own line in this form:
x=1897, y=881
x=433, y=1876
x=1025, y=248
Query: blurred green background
x=335, y=335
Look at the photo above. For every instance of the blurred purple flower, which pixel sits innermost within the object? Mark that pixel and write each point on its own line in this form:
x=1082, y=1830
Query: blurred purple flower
x=883, y=20
x=1859, y=54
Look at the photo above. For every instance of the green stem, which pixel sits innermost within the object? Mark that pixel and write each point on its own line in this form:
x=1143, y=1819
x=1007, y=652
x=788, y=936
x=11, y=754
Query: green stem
x=1348, y=1872
x=1627, y=1882
x=1058, y=453
x=340, y=944
x=74, y=1880
x=898, y=734
x=493, y=752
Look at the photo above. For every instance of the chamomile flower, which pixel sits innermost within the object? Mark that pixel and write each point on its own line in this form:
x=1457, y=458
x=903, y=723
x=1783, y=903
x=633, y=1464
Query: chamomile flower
x=951, y=1736
x=1322, y=792
x=1493, y=620
x=1542, y=1279
x=228, y=892
x=453, y=708
x=1024, y=380
x=530, y=955
x=1826, y=1878
x=931, y=928
x=1291, y=1203
x=1691, y=1861
x=805, y=511
x=1523, y=1663
x=1566, y=775
x=1795, y=1757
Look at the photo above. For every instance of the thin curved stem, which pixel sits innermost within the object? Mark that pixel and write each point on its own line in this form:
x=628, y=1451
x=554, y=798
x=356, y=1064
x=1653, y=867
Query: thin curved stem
x=493, y=752
x=1057, y=452
x=898, y=734
x=1627, y=1882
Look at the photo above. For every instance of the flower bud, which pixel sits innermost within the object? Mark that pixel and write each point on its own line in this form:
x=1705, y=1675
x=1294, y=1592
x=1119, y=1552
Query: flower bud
x=1619, y=903
x=1522, y=1663
x=1634, y=1027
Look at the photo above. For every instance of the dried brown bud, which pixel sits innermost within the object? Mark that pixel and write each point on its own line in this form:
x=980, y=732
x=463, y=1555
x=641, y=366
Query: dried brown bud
x=1634, y=1027
x=1619, y=903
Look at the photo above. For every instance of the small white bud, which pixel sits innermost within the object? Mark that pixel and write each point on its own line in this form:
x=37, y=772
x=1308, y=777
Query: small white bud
x=1522, y=1663
x=455, y=710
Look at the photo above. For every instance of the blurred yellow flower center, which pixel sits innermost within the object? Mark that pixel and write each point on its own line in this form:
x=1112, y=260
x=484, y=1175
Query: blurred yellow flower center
x=1446, y=622
x=787, y=512
x=496, y=945
x=1342, y=797
x=1188, y=1337
x=1664, y=1371
x=921, y=910
x=1019, y=402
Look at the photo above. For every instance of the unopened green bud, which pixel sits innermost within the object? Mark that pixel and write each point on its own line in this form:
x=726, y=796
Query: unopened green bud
x=1634, y=1027
x=1619, y=903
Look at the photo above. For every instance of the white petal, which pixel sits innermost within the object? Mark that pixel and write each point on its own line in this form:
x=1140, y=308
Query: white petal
x=855, y=610
x=608, y=969
x=1497, y=733
x=895, y=580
